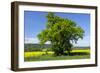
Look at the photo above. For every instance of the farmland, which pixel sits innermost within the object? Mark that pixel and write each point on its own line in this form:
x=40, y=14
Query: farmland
x=49, y=55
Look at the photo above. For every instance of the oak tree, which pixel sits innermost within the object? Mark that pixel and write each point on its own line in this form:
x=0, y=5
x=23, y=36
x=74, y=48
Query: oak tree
x=61, y=32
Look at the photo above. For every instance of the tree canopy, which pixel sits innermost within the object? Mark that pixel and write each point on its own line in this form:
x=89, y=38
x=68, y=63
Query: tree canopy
x=61, y=32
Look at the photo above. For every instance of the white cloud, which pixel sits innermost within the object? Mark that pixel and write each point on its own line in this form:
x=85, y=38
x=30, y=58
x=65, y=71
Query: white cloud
x=31, y=40
x=48, y=42
x=34, y=41
x=83, y=42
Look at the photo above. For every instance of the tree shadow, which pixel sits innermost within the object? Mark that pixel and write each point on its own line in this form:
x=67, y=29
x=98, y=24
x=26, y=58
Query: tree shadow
x=77, y=53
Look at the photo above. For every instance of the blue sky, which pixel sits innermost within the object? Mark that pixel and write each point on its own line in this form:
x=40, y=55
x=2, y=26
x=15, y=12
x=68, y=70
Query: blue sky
x=35, y=22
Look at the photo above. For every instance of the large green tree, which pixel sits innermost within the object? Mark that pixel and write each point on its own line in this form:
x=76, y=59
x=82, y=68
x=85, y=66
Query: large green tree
x=61, y=32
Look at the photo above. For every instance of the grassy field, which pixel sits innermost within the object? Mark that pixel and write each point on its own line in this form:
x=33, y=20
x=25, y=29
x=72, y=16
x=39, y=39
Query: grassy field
x=44, y=56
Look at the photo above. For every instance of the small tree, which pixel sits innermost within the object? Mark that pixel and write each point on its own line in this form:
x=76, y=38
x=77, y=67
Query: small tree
x=61, y=33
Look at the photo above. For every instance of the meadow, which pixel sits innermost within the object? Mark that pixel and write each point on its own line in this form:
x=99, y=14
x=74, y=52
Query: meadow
x=49, y=55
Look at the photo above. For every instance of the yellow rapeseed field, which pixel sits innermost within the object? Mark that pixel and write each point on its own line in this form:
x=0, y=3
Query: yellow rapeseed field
x=35, y=53
x=82, y=50
x=39, y=53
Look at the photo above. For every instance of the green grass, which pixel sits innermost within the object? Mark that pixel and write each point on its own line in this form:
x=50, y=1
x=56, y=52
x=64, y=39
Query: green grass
x=42, y=56
x=45, y=58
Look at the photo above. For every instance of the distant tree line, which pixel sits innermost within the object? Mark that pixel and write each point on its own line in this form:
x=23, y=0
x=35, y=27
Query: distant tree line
x=36, y=47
